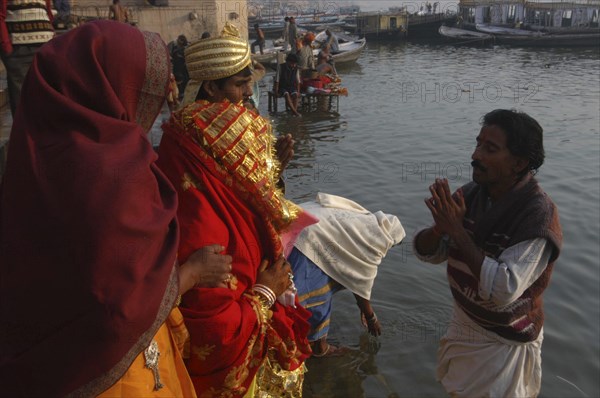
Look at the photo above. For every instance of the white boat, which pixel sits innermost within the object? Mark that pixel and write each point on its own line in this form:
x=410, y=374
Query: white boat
x=464, y=35
x=500, y=30
x=350, y=48
x=269, y=55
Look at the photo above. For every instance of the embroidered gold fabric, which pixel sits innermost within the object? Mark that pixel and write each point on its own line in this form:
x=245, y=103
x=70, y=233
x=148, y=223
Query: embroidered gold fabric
x=274, y=382
x=242, y=143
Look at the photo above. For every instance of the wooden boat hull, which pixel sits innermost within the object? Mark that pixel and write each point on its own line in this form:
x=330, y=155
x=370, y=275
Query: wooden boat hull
x=464, y=36
x=351, y=52
x=551, y=40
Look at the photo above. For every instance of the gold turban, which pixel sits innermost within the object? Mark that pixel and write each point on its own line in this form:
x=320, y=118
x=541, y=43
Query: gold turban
x=215, y=58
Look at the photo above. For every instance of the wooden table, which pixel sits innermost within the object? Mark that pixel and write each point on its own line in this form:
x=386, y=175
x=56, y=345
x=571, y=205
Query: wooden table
x=320, y=102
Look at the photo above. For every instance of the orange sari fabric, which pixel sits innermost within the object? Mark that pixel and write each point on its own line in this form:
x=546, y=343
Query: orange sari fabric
x=225, y=198
x=139, y=381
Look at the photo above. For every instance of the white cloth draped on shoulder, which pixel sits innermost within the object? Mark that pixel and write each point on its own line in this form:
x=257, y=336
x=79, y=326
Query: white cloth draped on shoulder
x=349, y=242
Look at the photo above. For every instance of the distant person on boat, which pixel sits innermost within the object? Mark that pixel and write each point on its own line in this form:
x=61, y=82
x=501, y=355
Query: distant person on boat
x=179, y=68
x=325, y=63
x=117, y=12
x=222, y=159
x=287, y=82
x=260, y=40
x=342, y=251
x=88, y=228
x=500, y=235
x=306, y=59
x=24, y=27
x=332, y=42
x=205, y=35
x=293, y=36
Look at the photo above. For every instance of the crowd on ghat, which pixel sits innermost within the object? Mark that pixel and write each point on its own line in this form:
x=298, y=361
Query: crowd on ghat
x=184, y=272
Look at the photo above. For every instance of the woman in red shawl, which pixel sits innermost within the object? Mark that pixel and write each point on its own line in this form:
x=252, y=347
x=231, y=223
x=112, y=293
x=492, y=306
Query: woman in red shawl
x=88, y=234
x=219, y=155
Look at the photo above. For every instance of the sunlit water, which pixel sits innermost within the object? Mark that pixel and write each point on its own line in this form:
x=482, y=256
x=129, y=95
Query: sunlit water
x=412, y=115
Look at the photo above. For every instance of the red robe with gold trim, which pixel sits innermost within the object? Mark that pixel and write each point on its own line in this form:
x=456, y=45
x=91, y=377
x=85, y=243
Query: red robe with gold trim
x=219, y=157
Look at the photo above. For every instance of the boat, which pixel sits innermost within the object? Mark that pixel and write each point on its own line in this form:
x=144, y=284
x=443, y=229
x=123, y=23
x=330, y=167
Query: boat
x=534, y=23
x=269, y=55
x=552, y=40
x=505, y=31
x=536, y=38
x=350, y=48
x=464, y=36
x=269, y=28
x=318, y=23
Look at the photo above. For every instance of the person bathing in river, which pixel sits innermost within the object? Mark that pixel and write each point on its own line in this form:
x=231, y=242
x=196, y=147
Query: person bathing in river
x=500, y=236
x=343, y=250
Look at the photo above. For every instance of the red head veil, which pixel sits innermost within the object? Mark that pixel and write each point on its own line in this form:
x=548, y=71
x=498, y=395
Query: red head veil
x=88, y=236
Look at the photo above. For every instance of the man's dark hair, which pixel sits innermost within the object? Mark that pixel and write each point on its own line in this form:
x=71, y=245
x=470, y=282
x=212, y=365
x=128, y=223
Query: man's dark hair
x=116, y=1
x=256, y=26
x=202, y=94
x=205, y=35
x=524, y=135
x=286, y=19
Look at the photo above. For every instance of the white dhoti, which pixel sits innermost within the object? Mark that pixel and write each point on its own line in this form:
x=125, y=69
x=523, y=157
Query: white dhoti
x=474, y=362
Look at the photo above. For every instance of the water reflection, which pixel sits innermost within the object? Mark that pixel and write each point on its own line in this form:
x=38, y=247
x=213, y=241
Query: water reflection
x=345, y=375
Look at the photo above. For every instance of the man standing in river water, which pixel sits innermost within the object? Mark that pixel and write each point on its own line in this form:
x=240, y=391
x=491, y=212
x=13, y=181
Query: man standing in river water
x=500, y=235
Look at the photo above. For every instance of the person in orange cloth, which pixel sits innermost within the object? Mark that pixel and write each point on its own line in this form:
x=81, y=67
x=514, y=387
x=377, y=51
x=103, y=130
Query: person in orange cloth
x=88, y=230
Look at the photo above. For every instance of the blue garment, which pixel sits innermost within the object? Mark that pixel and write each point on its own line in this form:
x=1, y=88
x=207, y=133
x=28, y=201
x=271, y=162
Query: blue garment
x=315, y=291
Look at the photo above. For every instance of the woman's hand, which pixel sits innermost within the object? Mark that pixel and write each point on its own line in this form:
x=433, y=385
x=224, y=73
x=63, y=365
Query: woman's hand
x=276, y=277
x=205, y=268
x=367, y=315
x=371, y=323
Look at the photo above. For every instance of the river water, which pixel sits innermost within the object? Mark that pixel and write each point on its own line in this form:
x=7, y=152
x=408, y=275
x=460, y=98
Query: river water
x=412, y=115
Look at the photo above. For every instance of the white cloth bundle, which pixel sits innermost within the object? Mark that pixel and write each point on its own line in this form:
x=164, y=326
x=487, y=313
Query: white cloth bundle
x=349, y=242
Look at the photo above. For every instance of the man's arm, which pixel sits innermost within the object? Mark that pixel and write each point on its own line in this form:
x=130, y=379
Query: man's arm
x=518, y=267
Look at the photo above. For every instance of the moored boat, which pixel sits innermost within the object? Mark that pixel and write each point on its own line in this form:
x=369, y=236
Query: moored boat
x=350, y=48
x=269, y=55
x=552, y=40
x=464, y=36
x=505, y=31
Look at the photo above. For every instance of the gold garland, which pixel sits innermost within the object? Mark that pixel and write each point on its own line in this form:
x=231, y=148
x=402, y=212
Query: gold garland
x=242, y=142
